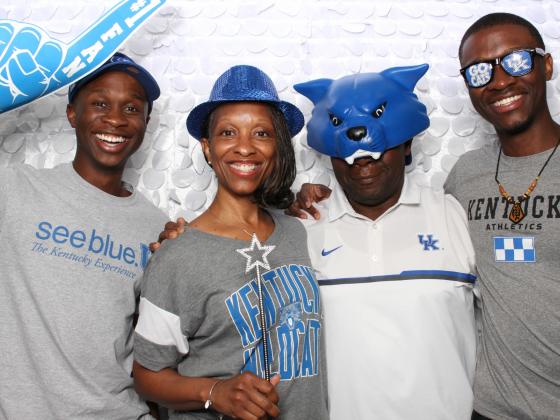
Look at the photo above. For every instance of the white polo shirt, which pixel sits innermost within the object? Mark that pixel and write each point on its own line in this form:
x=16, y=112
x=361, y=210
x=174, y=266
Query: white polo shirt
x=398, y=307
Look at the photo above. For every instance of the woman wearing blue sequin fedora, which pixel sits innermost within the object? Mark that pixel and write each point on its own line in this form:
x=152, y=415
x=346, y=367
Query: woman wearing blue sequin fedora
x=240, y=269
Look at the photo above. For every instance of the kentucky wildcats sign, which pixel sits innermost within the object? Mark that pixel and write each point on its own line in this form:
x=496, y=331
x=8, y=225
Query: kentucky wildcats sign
x=32, y=64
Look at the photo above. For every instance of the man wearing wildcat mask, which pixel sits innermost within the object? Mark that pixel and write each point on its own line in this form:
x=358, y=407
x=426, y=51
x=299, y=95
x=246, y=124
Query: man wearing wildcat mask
x=394, y=261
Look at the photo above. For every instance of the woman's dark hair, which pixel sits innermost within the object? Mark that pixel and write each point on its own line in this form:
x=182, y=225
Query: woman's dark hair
x=275, y=190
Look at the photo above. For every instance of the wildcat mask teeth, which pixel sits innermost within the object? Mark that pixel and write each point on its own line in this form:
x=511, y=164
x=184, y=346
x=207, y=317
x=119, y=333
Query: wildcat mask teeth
x=361, y=153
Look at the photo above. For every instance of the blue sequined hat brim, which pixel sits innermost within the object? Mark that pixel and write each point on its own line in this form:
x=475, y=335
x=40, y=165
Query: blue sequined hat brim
x=198, y=116
x=243, y=83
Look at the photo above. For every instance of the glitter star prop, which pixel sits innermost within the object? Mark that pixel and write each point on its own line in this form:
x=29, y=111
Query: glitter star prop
x=256, y=254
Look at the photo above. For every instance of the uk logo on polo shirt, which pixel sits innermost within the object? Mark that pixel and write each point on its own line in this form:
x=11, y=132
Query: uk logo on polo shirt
x=514, y=249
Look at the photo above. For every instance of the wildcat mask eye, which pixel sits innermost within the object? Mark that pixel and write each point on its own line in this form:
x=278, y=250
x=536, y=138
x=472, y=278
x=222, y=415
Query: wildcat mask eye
x=378, y=112
x=335, y=120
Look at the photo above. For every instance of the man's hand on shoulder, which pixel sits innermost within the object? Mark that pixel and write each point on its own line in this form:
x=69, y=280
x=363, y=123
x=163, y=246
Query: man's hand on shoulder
x=172, y=230
x=305, y=198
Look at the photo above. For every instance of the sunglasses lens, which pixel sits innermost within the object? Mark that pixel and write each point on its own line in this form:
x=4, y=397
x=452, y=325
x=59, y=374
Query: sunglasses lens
x=478, y=74
x=518, y=63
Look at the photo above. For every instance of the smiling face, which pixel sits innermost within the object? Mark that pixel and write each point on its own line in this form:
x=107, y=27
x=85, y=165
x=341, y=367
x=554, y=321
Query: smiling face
x=110, y=115
x=511, y=104
x=241, y=146
x=372, y=186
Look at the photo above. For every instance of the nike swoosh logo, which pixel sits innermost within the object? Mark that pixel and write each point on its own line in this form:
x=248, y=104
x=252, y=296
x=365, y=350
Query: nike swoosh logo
x=324, y=252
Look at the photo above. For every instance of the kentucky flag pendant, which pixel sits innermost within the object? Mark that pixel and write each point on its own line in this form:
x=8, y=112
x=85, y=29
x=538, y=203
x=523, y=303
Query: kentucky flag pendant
x=516, y=214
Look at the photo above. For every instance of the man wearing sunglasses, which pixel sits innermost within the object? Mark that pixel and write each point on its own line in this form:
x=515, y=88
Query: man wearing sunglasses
x=511, y=192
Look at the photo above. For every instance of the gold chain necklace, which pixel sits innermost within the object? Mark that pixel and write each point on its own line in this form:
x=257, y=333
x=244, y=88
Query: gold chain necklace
x=516, y=214
x=219, y=219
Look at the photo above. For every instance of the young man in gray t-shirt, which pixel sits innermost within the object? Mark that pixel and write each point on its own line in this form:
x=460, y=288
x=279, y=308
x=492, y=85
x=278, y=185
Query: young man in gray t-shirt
x=72, y=241
x=510, y=192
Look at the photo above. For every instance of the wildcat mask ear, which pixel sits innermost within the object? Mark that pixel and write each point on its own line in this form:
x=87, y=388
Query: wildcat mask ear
x=406, y=76
x=314, y=90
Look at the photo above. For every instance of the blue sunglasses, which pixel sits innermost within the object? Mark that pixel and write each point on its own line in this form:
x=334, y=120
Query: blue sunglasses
x=516, y=63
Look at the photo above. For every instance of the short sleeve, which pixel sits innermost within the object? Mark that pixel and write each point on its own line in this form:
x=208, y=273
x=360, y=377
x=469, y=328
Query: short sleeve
x=159, y=338
x=457, y=225
x=450, y=186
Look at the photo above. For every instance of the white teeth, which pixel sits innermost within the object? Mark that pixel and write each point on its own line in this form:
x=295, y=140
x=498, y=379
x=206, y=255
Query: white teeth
x=110, y=139
x=507, y=101
x=244, y=167
x=361, y=153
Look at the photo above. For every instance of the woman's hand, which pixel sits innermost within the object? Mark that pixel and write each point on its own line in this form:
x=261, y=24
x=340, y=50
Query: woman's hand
x=246, y=397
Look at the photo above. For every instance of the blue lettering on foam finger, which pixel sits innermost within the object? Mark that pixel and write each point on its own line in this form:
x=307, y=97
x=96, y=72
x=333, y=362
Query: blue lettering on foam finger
x=33, y=64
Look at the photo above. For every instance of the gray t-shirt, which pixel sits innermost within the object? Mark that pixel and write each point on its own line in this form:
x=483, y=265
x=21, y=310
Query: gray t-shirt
x=518, y=366
x=72, y=259
x=199, y=314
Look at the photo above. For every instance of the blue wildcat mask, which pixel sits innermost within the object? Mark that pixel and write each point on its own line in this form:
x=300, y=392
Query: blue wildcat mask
x=365, y=114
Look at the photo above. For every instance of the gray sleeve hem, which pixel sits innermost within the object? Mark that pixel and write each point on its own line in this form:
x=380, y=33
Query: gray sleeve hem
x=153, y=356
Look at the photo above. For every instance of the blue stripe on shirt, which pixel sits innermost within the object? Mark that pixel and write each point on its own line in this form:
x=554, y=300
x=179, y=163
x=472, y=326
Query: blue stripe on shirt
x=404, y=275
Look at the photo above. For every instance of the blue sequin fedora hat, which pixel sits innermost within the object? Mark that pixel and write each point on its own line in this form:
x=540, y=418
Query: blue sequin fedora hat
x=243, y=84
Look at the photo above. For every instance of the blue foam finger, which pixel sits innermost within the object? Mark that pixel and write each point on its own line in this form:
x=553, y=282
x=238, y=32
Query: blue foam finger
x=27, y=39
x=100, y=41
x=21, y=79
x=33, y=65
x=49, y=57
x=23, y=66
x=6, y=35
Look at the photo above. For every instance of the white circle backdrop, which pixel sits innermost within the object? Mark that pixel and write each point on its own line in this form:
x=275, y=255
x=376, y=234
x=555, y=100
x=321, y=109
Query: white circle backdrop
x=188, y=44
